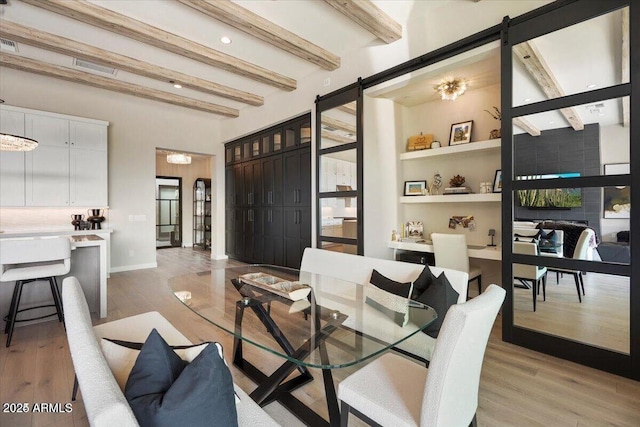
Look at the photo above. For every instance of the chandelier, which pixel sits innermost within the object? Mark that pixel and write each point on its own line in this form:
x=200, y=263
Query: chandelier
x=450, y=88
x=10, y=142
x=179, y=158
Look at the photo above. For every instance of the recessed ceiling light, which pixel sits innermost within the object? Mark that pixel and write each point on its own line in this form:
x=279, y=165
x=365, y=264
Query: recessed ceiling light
x=551, y=122
x=177, y=86
x=591, y=86
x=225, y=40
x=526, y=100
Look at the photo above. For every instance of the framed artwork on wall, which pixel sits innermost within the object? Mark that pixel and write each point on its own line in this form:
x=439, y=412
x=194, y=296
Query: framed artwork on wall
x=616, y=201
x=460, y=133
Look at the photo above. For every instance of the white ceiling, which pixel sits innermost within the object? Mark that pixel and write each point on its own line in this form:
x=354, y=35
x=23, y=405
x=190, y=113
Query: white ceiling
x=585, y=54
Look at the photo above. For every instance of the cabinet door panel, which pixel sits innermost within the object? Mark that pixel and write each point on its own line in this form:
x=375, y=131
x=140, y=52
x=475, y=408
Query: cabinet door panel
x=304, y=185
x=297, y=178
x=238, y=189
x=229, y=187
x=47, y=172
x=272, y=181
x=51, y=131
x=88, y=178
x=88, y=135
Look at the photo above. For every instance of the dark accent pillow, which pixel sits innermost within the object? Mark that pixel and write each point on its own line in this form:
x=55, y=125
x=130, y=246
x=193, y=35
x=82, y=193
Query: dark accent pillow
x=424, y=280
x=389, y=285
x=623, y=236
x=549, y=239
x=531, y=236
x=439, y=296
x=138, y=345
x=164, y=390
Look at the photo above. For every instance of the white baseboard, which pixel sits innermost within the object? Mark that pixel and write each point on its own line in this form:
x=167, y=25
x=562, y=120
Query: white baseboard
x=133, y=267
x=219, y=257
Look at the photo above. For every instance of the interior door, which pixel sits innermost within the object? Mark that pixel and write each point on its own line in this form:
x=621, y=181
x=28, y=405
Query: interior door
x=567, y=126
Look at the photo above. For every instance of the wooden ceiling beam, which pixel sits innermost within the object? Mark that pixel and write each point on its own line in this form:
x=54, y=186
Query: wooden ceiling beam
x=64, y=73
x=370, y=17
x=526, y=126
x=97, y=16
x=528, y=54
x=626, y=108
x=338, y=124
x=348, y=108
x=337, y=138
x=255, y=25
x=51, y=42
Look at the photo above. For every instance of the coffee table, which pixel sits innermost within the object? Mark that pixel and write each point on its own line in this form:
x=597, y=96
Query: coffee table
x=333, y=327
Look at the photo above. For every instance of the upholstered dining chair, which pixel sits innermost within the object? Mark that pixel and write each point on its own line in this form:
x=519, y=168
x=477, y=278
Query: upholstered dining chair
x=451, y=251
x=530, y=273
x=394, y=391
x=581, y=252
x=25, y=261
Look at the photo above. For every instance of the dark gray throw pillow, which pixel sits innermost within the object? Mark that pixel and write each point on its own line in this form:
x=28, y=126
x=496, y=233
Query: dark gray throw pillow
x=164, y=390
x=424, y=280
x=439, y=296
x=550, y=240
x=389, y=285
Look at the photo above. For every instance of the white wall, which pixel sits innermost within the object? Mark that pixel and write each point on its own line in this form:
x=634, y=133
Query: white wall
x=614, y=148
x=136, y=127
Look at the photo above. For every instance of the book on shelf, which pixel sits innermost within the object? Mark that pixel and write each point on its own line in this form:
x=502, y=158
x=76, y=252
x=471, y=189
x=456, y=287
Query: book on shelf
x=457, y=190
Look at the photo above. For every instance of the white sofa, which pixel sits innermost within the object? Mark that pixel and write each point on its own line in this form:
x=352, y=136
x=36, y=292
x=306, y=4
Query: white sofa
x=357, y=269
x=103, y=400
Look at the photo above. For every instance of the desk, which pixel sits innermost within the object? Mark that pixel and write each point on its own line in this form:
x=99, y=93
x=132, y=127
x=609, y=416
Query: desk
x=475, y=251
x=333, y=328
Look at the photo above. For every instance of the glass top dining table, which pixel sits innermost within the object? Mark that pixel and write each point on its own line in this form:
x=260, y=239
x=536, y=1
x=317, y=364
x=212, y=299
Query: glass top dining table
x=335, y=312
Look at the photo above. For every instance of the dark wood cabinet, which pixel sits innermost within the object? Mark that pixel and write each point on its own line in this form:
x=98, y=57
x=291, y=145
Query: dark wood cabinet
x=268, y=201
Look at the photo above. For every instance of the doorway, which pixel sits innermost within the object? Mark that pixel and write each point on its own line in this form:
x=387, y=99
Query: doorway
x=168, y=212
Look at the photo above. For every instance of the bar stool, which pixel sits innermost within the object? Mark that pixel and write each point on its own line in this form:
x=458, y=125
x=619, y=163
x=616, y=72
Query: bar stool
x=25, y=261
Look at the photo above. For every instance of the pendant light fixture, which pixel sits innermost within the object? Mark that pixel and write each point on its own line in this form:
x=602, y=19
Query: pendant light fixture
x=179, y=158
x=10, y=142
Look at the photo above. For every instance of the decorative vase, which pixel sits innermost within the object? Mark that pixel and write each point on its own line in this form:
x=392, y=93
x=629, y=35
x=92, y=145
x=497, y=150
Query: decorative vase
x=495, y=134
x=77, y=221
x=95, y=218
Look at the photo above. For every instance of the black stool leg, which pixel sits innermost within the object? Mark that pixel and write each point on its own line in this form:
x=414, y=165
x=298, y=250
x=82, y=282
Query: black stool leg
x=479, y=284
x=74, y=394
x=15, y=303
x=15, y=295
x=56, y=297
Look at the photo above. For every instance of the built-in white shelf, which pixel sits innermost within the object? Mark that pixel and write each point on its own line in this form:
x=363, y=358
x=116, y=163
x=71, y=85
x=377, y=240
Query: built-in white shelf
x=453, y=198
x=490, y=144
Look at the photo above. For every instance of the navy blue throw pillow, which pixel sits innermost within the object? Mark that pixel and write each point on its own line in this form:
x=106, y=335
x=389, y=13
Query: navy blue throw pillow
x=164, y=390
x=439, y=296
x=424, y=280
x=389, y=285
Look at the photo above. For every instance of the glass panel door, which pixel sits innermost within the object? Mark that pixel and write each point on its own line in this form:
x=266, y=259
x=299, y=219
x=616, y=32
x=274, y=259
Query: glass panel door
x=567, y=187
x=168, y=212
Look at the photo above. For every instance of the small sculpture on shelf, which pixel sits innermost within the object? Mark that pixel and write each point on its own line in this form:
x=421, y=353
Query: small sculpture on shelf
x=457, y=181
x=496, y=114
x=434, y=187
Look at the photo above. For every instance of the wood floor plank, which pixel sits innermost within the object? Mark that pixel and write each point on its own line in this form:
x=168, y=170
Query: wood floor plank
x=519, y=387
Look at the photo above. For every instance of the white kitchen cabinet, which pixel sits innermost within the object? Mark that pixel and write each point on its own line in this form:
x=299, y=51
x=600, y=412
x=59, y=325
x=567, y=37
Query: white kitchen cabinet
x=12, y=162
x=68, y=168
x=47, y=171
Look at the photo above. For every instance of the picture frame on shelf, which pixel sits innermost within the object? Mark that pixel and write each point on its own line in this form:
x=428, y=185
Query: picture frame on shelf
x=460, y=133
x=497, y=182
x=414, y=188
x=415, y=229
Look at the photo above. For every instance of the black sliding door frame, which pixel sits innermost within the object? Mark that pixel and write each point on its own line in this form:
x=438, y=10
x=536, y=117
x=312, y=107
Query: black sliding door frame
x=565, y=14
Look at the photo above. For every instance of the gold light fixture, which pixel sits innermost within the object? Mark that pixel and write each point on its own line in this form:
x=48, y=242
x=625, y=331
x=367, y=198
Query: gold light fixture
x=450, y=88
x=179, y=158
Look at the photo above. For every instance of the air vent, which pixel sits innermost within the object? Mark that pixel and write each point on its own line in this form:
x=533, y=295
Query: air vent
x=9, y=45
x=88, y=65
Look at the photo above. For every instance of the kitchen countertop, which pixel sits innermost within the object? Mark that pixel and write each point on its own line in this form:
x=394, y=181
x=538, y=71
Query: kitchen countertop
x=10, y=233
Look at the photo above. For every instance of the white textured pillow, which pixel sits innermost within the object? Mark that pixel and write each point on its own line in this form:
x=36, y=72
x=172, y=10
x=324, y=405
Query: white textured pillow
x=121, y=359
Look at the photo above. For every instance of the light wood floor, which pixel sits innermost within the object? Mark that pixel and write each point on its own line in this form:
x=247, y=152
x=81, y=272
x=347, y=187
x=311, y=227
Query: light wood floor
x=519, y=387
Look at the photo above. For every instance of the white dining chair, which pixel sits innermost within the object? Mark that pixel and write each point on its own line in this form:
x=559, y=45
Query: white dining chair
x=530, y=273
x=581, y=252
x=25, y=261
x=394, y=391
x=451, y=251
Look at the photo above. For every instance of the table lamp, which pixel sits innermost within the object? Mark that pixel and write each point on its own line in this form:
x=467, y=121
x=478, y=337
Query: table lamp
x=492, y=232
